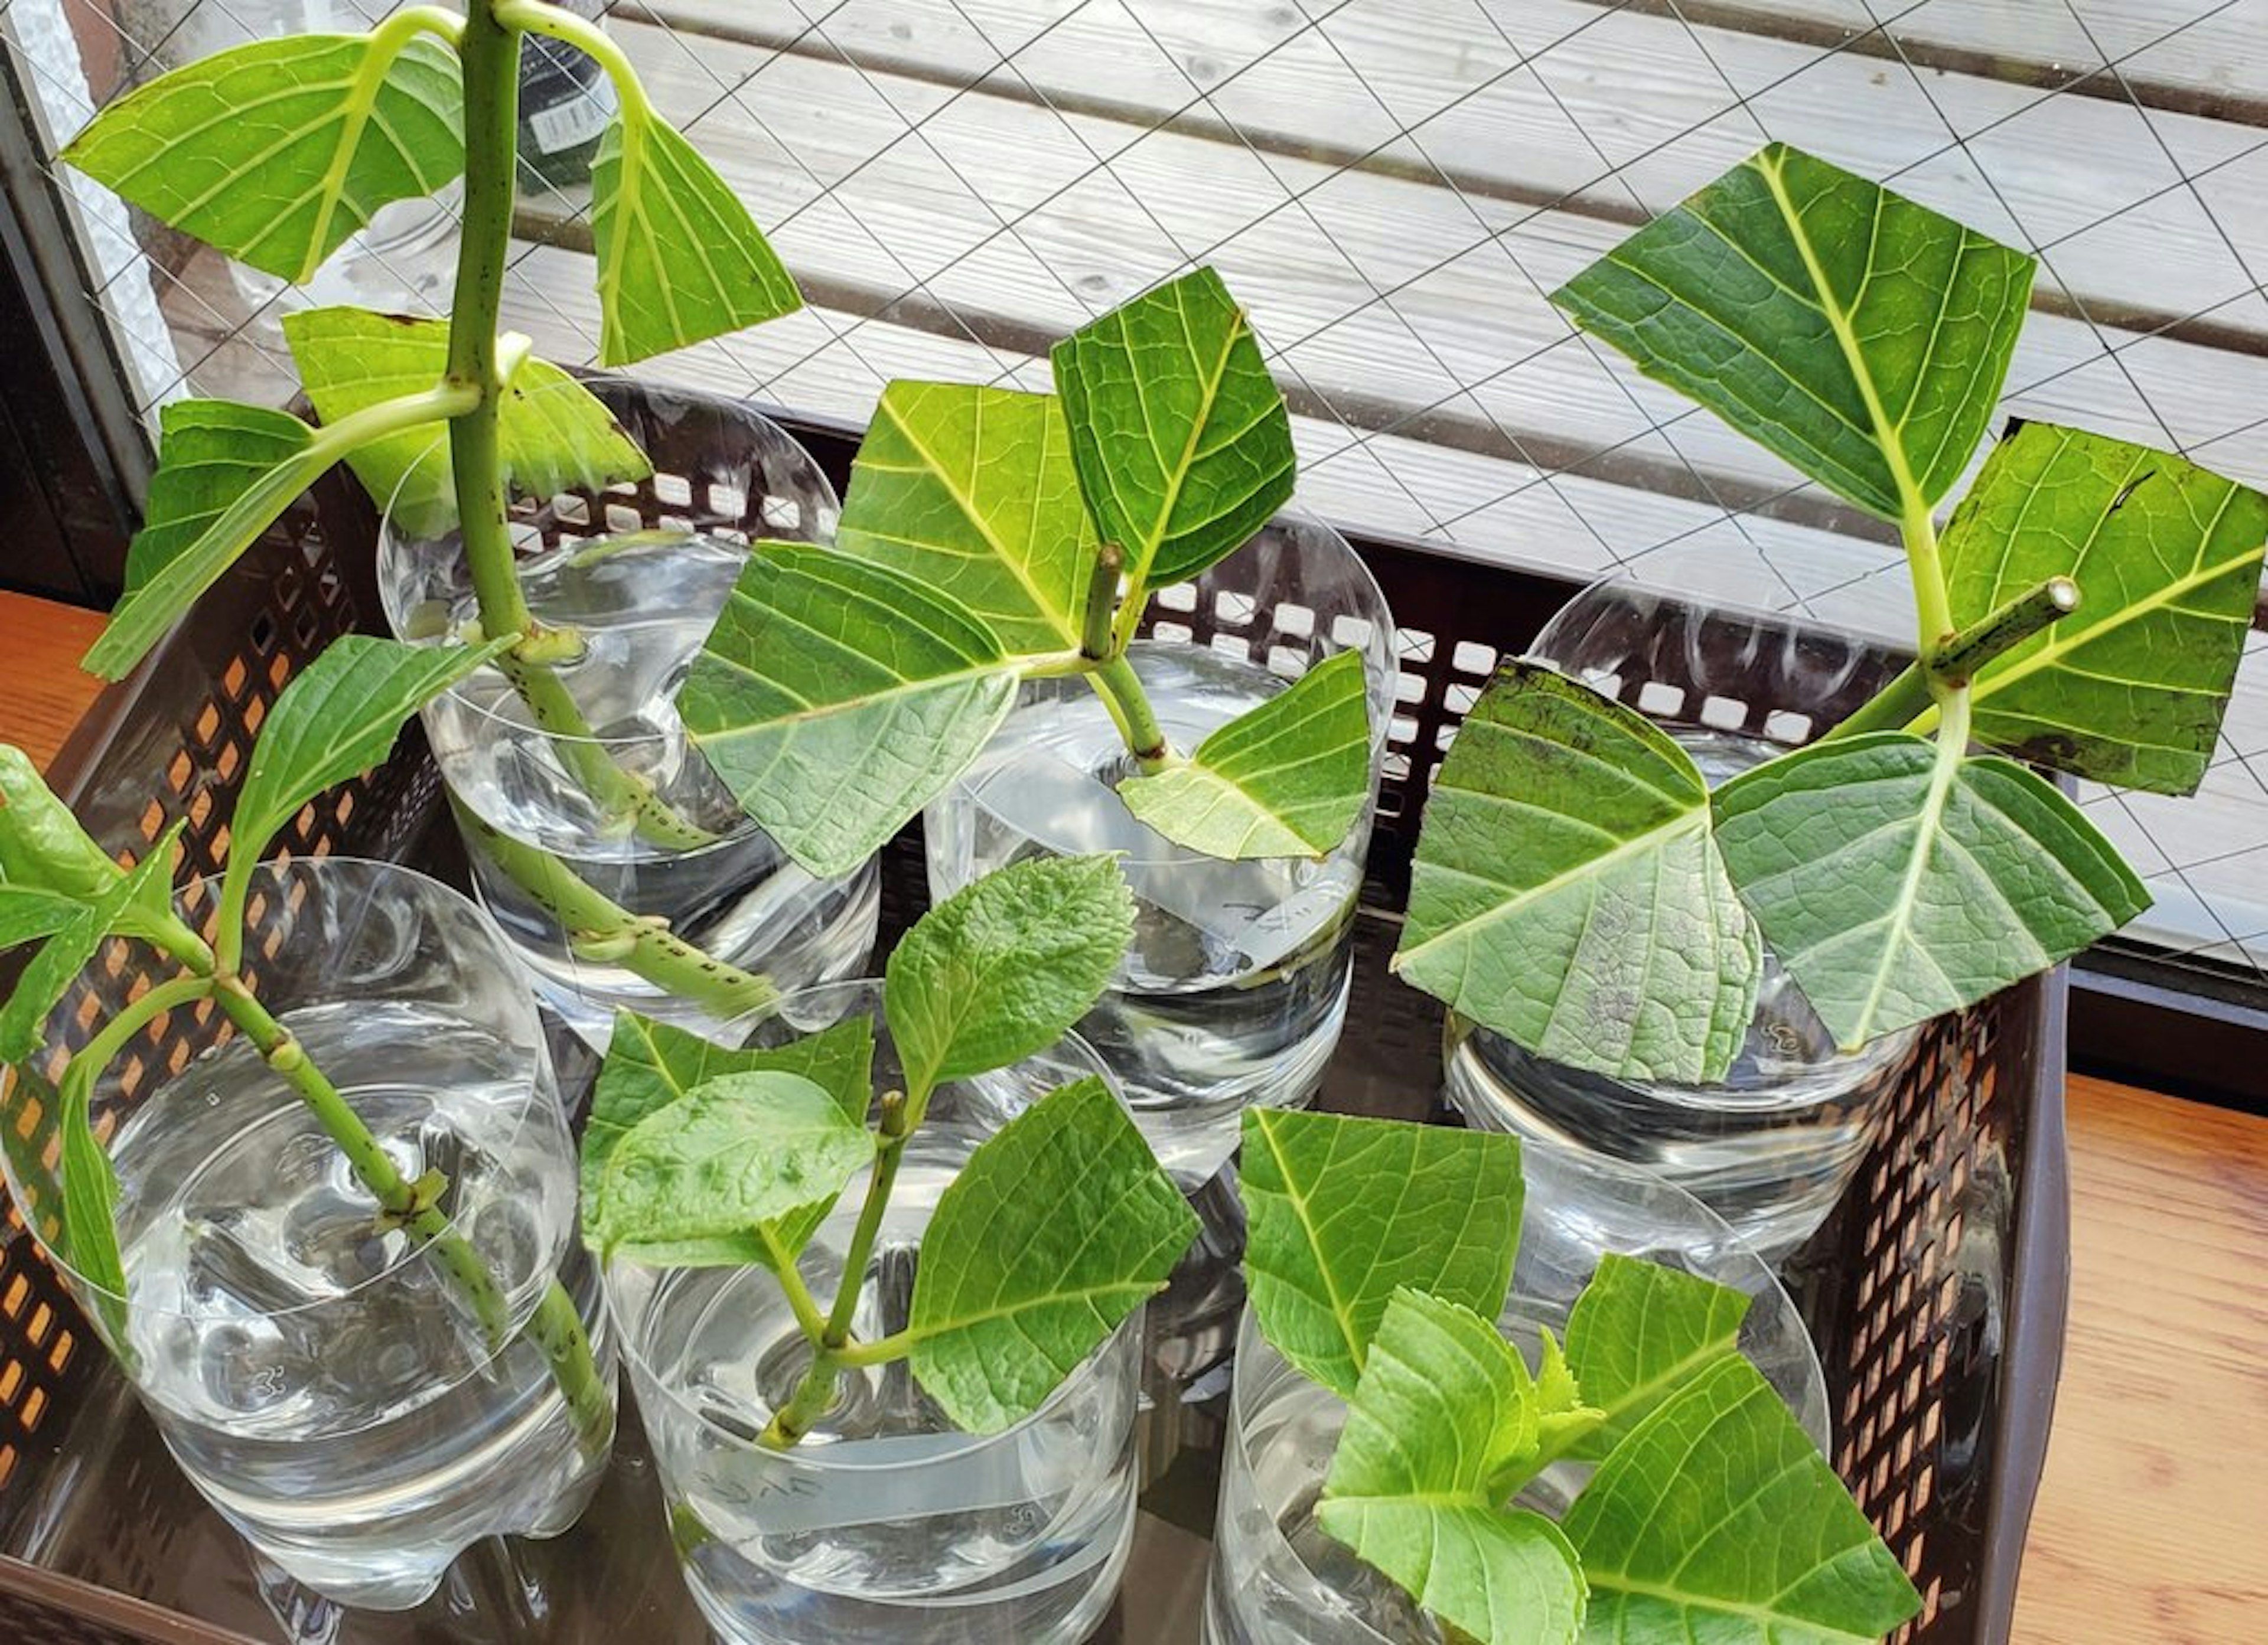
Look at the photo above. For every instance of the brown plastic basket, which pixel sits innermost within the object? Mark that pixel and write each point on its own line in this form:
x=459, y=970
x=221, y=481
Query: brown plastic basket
x=1936, y=1292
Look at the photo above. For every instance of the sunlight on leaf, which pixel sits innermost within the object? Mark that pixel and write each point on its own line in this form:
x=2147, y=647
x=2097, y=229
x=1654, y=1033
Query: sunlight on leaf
x=1788, y=296
x=1567, y=892
x=1286, y=779
x=277, y=150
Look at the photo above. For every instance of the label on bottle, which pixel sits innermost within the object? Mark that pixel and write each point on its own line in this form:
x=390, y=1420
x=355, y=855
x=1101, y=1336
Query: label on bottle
x=897, y=1479
x=577, y=118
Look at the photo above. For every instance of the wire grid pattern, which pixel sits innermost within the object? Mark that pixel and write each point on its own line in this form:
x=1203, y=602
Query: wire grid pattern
x=1392, y=187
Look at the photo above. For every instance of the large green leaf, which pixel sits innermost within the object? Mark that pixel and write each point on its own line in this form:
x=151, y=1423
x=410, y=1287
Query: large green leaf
x=1286, y=779
x=1716, y=1520
x=1343, y=1212
x=1444, y=1413
x=1003, y=968
x=1639, y=1333
x=1896, y=880
x=836, y=699
x=2130, y=689
x=129, y=903
x=679, y=258
x=1567, y=892
x=1058, y=1227
x=1859, y=335
x=1181, y=438
x=971, y=491
x=44, y=852
x=650, y=1065
x=553, y=434
x=335, y=719
x=737, y=1153
x=277, y=150
x=224, y=472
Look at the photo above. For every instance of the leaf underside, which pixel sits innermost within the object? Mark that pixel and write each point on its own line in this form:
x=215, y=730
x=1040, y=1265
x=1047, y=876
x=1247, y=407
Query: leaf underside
x=1897, y=882
x=276, y=151
x=837, y=697
x=1345, y=1212
x=1286, y=779
x=650, y=1065
x=679, y=258
x=1857, y=334
x=1717, y=1520
x=2129, y=689
x=1060, y=1225
x=1180, y=436
x=972, y=492
x=1567, y=891
x=553, y=435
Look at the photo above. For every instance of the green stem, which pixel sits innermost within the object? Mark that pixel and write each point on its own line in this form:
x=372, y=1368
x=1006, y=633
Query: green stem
x=555, y=1328
x=1119, y=688
x=535, y=18
x=601, y=929
x=98, y=1053
x=1096, y=643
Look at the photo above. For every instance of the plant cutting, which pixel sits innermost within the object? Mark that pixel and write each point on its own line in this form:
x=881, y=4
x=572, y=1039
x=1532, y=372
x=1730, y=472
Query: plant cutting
x=347, y=1219
x=277, y=151
x=943, y=1447
x=969, y=644
x=1580, y=889
x=1644, y=1481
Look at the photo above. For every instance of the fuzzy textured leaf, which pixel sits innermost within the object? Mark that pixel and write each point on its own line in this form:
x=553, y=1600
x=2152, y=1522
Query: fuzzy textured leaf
x=734, y=1154
x=224, y=472
x=1896, y=880
x=650, y=1064
x=1058, y=1227
x=2131, y=689
x=1567, y=892
x=1717, y=1520
x=679, y=258
x=1181, y=438
x=1344, y=1213
x=1006, y=967
x=972, y=492
x=1286, y=779
x=1640, y=1331
x=553, y=435
x=277, y=150
x=1444, y=1414
x=836, y=699
x=1859, y=335
x=334, y=720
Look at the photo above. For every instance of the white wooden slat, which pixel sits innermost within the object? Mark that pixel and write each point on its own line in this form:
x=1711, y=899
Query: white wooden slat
x=1616, y=89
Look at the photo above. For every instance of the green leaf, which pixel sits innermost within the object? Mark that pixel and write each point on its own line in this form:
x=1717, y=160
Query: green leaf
x=1567, y=892
x=679, y=258
x=650, y=1065
x=1344, y=1213
x=1639, y=1332
x=1857, y=334
x=335, y=719
x=1444, y=1411
x=736, y=1152
x=971, y=492
x=1896, y=880
x=1181, y=438
x=224, y=472
x=1717, y=1520
x=90, y=1210
x=553, y=435
x=277, y=150
x=836, y=699
x=2132, y=687
x=44, y=854
x=1286, y=779
x=1003, y=968
x=130, y=903
x=1057, y=1229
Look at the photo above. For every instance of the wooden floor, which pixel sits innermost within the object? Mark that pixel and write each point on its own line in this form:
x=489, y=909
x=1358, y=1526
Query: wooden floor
x=2152, y=1520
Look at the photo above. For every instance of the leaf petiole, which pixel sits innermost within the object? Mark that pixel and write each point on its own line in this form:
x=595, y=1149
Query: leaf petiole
x=1115, y=682
x=534, y=16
